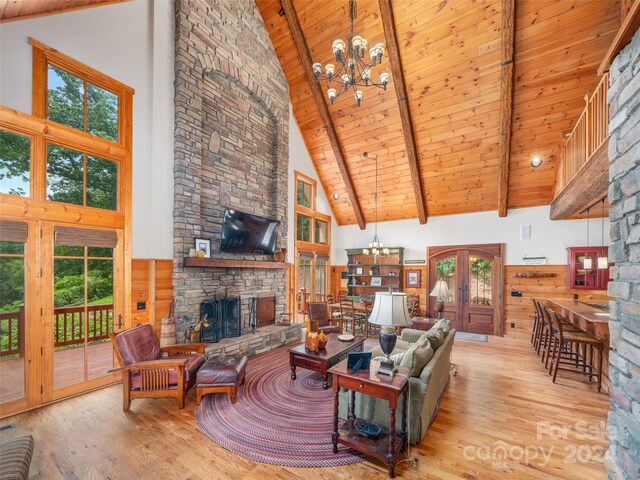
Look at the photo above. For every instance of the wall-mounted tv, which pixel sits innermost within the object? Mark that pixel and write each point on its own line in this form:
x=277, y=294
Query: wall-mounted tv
x=247, y=233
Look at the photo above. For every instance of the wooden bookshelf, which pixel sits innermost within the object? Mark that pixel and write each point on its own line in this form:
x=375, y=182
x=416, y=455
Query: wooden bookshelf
x=368, y=274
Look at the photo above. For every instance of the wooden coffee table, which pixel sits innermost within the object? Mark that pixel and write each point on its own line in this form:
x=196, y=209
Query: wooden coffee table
x=322, y=360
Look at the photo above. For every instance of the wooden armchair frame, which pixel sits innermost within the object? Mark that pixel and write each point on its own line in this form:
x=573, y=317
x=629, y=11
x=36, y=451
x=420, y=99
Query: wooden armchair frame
x=333, y=321
x=154, y=374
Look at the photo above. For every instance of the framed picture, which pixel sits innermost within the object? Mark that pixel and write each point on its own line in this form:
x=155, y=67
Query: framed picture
x=203, y=245
x=359, y=271
x=376, y=281
x=357, y=361
x=412, y=278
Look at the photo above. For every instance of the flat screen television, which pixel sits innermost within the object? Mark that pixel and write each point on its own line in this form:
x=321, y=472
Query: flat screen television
x=247, y=233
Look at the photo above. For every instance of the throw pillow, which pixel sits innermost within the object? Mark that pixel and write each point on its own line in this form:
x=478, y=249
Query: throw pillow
x=436, y=337
x=444, y=324
x=397, y=358
x=416, y=358
x=423, y=340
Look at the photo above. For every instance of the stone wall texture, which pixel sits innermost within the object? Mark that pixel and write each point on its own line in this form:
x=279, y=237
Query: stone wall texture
x=623, y=458
x=231, y=146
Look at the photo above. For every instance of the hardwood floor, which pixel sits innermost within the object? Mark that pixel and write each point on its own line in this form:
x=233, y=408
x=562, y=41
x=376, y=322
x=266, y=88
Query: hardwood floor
x=68, y=369
x=501, y=397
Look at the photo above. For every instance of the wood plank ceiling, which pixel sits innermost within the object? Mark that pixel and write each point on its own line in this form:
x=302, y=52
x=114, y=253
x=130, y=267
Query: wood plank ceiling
x=20, y=9
x=451, y=58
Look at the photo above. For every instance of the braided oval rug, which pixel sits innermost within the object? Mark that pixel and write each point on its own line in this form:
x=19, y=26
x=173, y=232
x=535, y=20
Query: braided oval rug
x=276, y=420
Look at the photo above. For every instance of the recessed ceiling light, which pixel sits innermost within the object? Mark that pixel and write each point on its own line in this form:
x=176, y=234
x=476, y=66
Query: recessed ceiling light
x=536, y=162
x=336, y=196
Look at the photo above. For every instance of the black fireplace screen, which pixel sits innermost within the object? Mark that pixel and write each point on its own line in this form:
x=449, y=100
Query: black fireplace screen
x=223, y=317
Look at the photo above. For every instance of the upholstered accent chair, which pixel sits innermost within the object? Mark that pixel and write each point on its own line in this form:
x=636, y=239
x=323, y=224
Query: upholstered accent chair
x=319, y=312
x=146, y=373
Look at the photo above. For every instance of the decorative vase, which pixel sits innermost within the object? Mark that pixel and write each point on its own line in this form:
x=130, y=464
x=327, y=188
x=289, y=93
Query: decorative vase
x=312, y=343
x=322, y=342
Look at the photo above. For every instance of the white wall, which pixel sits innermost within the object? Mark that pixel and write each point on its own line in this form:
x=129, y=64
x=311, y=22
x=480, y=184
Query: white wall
x=548, y=238
x=299, y=160
x=133, y=43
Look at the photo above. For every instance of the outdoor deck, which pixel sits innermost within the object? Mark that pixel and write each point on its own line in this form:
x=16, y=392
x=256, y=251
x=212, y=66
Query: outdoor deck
x=68, y=367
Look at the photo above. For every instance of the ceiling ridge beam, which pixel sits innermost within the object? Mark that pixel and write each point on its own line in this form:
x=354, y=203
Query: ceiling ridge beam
x=305, y=56
x=506, y=101
x=395, y=63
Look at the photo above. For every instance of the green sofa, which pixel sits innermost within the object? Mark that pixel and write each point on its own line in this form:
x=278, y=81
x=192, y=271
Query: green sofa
x=426, y=387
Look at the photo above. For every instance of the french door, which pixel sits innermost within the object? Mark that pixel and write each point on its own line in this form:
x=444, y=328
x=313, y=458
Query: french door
x=473, y=275
x=62, y=293
x=82, y=301
x=311, y=277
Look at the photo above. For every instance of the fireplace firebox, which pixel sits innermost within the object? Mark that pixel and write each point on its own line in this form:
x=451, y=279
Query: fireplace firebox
x=223, y=317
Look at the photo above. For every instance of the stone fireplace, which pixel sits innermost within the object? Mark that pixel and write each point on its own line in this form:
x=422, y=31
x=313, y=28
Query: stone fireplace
x=623, y=458
x=231, y=149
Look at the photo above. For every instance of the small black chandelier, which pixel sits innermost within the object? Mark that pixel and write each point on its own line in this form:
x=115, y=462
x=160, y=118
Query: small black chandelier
x=352, y=70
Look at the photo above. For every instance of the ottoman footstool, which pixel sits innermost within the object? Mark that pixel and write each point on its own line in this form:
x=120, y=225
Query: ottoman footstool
x=221, y=374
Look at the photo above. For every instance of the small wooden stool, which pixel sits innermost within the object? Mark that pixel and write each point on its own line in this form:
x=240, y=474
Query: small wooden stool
x=221, y=374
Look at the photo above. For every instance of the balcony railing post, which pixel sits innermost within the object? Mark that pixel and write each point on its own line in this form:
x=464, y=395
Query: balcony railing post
x=21, y=335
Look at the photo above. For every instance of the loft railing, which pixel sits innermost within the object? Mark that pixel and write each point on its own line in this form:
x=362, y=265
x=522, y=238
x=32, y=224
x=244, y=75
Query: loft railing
x=588, y=135
x=68, y=327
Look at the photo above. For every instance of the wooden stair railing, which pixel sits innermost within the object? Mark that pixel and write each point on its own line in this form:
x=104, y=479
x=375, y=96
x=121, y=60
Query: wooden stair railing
x=584, y=151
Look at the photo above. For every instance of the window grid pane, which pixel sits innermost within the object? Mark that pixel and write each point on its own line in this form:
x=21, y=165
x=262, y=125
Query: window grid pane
x=65, y=182
x=15, y=163
x=65, y=98
x=78, y=104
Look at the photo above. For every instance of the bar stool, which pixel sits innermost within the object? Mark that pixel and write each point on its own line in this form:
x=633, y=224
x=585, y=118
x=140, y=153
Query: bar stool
x=564, y=342
x=546, y=333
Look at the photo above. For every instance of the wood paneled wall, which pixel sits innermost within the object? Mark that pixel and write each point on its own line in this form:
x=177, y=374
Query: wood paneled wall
x=519, y=310
x=422, y=291
x=151, y=283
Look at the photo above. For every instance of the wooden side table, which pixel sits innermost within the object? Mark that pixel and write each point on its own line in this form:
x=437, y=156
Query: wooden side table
x=389, y=443
x=423, y=323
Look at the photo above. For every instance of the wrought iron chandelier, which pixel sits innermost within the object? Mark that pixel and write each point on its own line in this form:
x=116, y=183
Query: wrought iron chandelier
x=352, y=70
x=375, y=247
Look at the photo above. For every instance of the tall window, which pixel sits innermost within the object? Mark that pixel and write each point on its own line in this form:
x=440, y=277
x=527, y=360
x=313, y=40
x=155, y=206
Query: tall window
x=66, y=166
x=313, y=241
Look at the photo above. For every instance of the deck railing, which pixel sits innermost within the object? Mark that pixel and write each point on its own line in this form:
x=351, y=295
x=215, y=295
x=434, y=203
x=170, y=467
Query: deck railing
x=68, y=327
x=589, y=134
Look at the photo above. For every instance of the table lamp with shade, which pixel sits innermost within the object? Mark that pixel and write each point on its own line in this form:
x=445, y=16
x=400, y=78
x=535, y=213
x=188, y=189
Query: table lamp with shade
x=441, y=291
x=389, y=311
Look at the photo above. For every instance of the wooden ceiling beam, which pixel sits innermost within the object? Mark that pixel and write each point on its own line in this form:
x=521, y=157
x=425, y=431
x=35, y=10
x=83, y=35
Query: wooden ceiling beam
x=305, y=56
x=393, y=52
x=506, y=102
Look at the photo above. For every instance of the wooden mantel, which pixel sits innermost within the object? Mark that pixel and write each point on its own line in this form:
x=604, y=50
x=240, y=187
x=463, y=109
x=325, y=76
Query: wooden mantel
x=233, y=263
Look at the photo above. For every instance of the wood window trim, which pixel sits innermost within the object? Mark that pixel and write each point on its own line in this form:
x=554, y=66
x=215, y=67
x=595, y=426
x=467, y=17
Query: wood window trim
x=42, y=214
x=43, y=56
x=311, y=247
x=310, y=181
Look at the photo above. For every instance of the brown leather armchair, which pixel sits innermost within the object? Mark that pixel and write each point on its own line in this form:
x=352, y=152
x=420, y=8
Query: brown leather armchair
x=146, y=374
x=318, y=312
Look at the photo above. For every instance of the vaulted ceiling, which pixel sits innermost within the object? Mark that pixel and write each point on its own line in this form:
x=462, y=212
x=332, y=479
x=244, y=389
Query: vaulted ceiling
x=21, y=9
x=450, y=52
